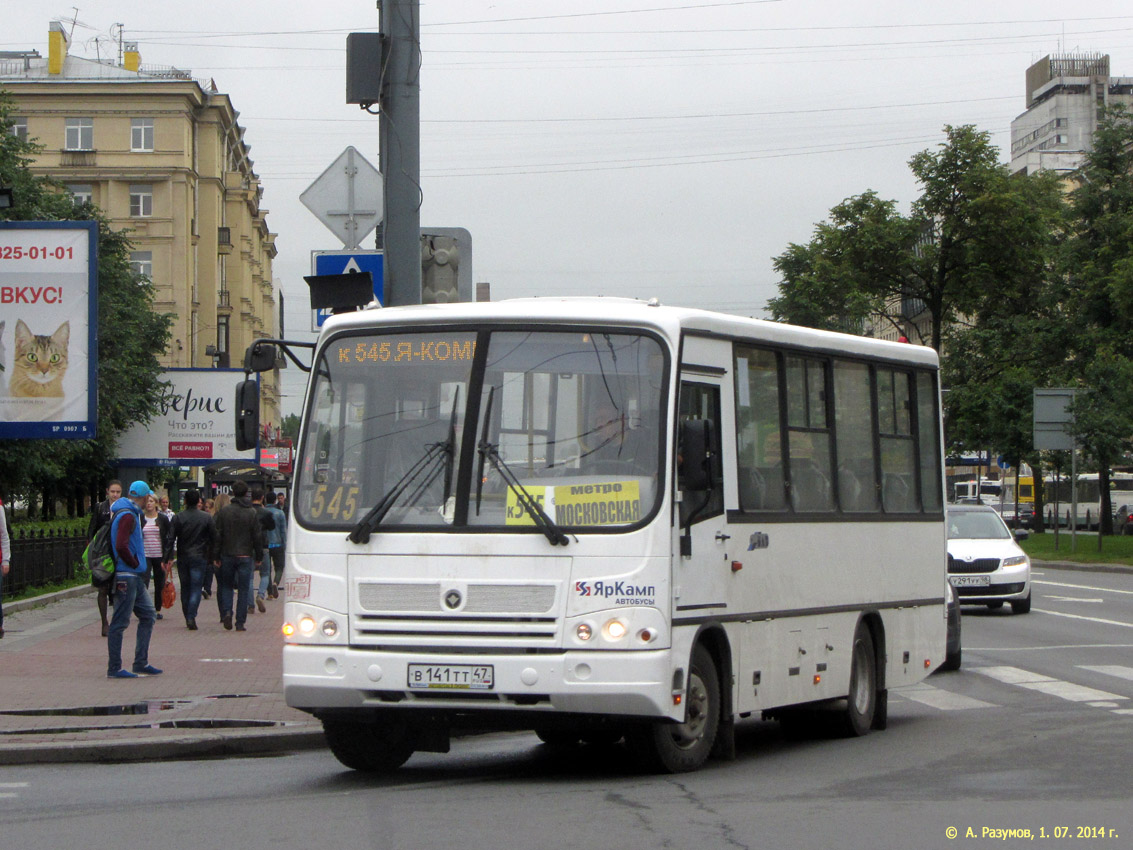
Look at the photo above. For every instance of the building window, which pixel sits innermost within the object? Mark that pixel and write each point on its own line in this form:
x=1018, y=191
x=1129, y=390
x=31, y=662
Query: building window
x=141, y=134
x=222, y=341
x=79, y=134
x=83, y=193
x=141, y=263
x=20, y=128
x=141, y=200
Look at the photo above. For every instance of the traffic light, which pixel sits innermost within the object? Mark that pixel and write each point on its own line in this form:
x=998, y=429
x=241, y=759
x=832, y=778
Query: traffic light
x=440, y=265
x=247, y=414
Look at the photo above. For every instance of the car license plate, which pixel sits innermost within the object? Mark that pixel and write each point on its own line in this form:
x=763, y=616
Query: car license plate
x=970, y=581
x=452, y=677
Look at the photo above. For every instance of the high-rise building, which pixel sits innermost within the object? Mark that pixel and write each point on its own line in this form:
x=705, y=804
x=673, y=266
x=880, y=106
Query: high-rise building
x=1065, y=97
x=164, y=157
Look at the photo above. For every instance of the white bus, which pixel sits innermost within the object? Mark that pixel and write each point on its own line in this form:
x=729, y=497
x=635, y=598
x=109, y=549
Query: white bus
x=1089, y=497
x=604, y=518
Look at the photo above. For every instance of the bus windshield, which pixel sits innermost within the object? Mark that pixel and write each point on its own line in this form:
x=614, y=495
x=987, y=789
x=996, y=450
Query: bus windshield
x=471, y=428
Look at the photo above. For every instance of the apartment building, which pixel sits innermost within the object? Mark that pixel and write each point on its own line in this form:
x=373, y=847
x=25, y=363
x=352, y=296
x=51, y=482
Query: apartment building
x=1065, y=97
x=164, y=157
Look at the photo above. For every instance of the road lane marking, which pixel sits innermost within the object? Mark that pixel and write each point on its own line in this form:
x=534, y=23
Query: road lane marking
x=941, y=699
x=1048, y=647
x=1110, y=670
x=1101, y=620
x=1070, y=599
x=1047, y=685
x=1081, y=586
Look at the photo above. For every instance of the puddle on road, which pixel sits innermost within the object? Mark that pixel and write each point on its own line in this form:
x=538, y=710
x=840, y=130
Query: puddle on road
x=151, y=706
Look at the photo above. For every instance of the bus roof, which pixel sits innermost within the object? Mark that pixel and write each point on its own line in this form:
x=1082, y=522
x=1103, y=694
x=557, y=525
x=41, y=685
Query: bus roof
x=670, y=321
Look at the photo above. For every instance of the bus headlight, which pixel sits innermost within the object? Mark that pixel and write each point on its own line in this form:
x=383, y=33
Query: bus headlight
x=614, y=630
x=330, y=628
x=583, y=632
x=306, y=625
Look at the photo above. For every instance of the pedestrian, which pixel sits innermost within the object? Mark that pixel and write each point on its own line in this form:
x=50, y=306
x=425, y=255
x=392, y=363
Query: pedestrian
x=99, y=517
x=212, y=506
x=276, y=540
x=5, y=560
x=194, y=533
x=281, y=501
x=158, y=548
x=267, y=523
x=240, y=543
x=130, y=593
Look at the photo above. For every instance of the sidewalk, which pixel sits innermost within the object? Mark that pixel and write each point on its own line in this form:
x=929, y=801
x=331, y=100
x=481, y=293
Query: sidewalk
x=221, y=692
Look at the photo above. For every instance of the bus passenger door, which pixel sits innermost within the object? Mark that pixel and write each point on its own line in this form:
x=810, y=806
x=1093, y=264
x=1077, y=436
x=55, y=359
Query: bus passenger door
x=703, y=540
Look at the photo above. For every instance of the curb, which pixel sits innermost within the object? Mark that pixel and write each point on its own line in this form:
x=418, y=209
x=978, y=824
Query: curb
x=1073, y=565
x=199, y=746
x=47, y=598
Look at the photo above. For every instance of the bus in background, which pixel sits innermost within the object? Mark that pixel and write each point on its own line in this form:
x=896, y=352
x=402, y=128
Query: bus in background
x=983, y=491
x=1088, y=495
x=603, y=518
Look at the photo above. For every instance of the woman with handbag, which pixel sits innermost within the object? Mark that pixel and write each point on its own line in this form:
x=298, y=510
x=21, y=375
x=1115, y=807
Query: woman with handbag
x=158, y=548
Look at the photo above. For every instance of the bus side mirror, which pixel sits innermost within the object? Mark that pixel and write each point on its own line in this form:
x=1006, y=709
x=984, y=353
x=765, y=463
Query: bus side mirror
x=260, y=357
x=696, y=451
x=247, y=415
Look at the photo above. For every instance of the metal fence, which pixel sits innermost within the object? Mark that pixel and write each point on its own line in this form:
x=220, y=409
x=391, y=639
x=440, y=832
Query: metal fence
x=42, y=557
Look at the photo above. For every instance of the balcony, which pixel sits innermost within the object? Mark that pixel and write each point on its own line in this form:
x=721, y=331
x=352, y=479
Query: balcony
x=76, y=159
x=224, y=240
x=224, y=298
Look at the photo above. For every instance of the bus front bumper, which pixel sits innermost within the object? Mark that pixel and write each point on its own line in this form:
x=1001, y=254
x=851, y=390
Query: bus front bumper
x=638, y=683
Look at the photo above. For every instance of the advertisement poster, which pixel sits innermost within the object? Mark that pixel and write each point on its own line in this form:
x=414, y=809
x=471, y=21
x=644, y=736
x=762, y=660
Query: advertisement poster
x=196, y=425
x=48, y=329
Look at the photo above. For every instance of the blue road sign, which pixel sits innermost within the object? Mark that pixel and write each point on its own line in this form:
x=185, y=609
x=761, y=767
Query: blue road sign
x=345, y=262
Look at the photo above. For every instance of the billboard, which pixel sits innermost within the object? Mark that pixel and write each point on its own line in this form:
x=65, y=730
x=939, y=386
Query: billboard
x=48, y=329
x=196, y=425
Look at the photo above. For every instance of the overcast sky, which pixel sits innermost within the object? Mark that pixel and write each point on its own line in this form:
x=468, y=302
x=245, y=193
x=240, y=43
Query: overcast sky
x=666, y=148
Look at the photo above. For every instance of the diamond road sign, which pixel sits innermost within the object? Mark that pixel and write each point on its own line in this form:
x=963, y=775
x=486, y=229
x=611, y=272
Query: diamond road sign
x=345, y=262
x=347, y=197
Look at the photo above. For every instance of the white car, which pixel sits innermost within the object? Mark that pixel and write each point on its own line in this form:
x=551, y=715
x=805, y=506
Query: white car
x=985, y=564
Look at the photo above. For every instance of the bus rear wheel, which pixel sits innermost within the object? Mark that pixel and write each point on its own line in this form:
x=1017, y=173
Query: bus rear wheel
x=683, y=747
x=376, y=747
x=861, y=701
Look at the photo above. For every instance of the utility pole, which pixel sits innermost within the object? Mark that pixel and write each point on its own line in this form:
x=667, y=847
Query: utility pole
x=400, y=150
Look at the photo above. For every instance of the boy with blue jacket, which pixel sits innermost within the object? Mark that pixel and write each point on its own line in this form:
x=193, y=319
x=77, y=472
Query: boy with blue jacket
x=129, y=591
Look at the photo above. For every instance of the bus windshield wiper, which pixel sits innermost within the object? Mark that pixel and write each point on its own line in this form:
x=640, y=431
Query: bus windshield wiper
x=435, y=459
x=544, y=523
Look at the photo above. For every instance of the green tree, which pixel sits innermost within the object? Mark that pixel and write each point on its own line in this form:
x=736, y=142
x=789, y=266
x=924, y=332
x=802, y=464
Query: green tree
x=1098, y=270
x=976, y=232
x=131, y=338
x=290, y=426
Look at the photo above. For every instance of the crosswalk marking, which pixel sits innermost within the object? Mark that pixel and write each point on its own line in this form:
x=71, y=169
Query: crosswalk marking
x=1109, y=670
x=942, y=699
x=1047, y=685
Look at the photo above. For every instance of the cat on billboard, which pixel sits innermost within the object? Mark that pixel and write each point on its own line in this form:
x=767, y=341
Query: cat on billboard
x=47, y=334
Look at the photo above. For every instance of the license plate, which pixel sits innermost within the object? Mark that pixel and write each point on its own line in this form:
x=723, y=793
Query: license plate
x=452, y=677
x=970, y=581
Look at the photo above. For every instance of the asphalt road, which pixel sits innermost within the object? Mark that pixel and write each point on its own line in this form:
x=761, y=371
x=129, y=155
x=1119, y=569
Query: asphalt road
x=1033, y=733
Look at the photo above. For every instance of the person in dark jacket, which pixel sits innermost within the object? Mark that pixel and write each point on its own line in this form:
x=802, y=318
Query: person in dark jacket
x=194, y=532
x=239, y=545
x=99, y=517
x=130, y=593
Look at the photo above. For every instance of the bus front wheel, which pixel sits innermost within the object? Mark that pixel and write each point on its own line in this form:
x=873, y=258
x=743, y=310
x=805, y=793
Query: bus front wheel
x=369, y=747
x=861, y=702
x=682, y=747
